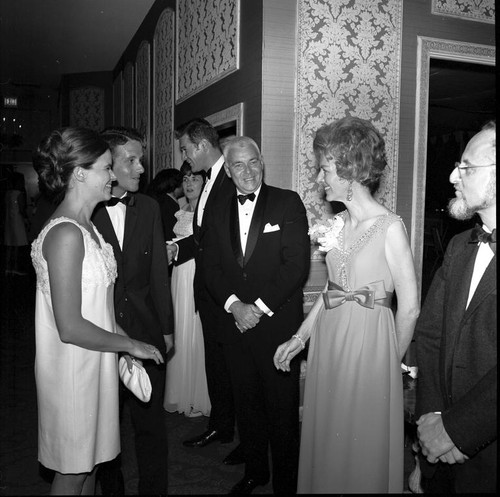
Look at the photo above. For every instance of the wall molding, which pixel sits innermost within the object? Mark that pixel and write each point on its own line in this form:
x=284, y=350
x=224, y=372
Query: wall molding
x=469, y=10
x=233, y=113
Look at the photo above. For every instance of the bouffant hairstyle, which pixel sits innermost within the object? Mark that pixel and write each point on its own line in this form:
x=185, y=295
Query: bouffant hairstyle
x=59, y=153
x=197, y=130
x=186, y=170
x=357, y=148
x=165, y=181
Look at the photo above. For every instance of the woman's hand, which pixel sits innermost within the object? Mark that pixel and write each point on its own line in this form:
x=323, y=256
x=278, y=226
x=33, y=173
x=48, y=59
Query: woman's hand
x=285, y=353
x=143, y=350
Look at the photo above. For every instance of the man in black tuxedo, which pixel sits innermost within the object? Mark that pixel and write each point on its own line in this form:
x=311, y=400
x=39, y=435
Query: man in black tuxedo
x=256, y=261
x=199, y=145
x=131, y=223
x=456, y=338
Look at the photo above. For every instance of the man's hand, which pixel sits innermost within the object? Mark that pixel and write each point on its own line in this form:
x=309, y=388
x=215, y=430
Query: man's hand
x=244, y=315
x=169, y=341
x=435, y=442
x=171, y=252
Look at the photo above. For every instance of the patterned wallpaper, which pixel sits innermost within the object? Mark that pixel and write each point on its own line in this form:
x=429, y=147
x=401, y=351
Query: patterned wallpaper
x=207, y=43
x=163, y=119
x=86, y=107
x=118, y=100
x=128, y=95
x=142, y=76
x=473, y=10
x=348, y=64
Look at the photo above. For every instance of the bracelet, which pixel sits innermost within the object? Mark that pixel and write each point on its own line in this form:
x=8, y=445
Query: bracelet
x=302, y=343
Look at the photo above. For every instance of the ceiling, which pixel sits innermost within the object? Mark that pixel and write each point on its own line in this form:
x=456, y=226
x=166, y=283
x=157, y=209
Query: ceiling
x=42, y=39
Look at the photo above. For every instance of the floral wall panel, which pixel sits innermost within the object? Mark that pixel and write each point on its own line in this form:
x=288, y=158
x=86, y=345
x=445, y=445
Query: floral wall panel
x=118, y=100
x=348, y=64
x=86, y=107
x=142, y=95
x=163, y=121
x=207, y=43
x=473, y=10
x=128, y=95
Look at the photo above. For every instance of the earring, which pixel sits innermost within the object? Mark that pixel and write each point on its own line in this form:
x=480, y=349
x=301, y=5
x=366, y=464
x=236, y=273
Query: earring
x=349, y=192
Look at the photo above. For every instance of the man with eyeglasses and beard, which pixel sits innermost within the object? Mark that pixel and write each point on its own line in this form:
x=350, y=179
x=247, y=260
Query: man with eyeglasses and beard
x=456, y=338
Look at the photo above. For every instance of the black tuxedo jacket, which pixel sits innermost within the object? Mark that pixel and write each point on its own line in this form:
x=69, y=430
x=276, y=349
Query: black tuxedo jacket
x=457, y=359
x=274, y=268
x=143, y=305
x=168, y=208
x=193, y=246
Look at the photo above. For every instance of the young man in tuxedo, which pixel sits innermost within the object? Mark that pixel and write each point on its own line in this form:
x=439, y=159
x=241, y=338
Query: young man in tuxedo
x=131, y=223
x=199, y=145
x=256, y=261
x=456, y=337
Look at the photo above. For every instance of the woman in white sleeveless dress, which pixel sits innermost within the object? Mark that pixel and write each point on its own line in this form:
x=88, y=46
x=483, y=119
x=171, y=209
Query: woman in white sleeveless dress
x=186, y=383
x=77, y=337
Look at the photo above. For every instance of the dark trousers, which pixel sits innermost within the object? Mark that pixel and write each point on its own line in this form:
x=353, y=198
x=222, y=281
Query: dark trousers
x=222, y=415
x=267, y=412
x=150, y=433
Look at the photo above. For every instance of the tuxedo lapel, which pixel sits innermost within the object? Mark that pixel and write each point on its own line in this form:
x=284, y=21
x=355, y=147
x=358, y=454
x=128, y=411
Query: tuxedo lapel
x=460, y=285
x=256, y=226
x=105, y=228
x=486, y=286
x=234, y=232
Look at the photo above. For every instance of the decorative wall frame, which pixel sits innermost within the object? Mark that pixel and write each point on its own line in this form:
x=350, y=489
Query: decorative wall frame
x=229, y=115
x=86, y=107
x=128, y=95
x=142, y=98
x=207, y=43
x=163, y=91
x=470, y=10
x=428, y=48
x=349, y=58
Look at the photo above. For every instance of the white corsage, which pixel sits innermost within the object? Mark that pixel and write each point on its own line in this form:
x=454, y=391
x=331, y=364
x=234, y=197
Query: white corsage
x=326, y=234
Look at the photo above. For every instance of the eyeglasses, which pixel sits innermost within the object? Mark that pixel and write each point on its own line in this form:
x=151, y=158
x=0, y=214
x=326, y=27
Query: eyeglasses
x=463, y=168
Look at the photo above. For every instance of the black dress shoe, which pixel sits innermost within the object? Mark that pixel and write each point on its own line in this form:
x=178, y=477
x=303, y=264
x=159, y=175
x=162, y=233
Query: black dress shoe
x=235, y=457
x=247, y=485
x=206, y=438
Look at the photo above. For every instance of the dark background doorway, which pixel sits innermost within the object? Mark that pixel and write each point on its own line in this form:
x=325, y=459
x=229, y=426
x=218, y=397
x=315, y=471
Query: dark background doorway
x=462, y=98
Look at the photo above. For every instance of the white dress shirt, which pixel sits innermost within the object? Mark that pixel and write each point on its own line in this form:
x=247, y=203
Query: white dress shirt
x=117, y=216
x=245, y=214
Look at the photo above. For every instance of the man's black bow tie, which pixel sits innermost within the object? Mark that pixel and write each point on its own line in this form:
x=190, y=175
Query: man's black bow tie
x=479, y=235
x=115, y=200
x=243, y=198
x=209, y=173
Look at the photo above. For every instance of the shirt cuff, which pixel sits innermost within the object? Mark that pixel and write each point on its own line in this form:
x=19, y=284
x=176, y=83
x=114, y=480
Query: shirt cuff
x=263, y=307
x=176, y=252
x=233, y=298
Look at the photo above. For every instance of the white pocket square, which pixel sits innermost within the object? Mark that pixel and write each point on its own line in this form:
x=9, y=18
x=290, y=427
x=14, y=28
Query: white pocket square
x=268, y=228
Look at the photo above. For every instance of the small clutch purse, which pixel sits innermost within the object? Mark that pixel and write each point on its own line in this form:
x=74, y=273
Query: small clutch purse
x=137, y=381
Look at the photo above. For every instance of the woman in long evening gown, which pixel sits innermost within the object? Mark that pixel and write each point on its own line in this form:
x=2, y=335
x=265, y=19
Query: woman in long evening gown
x=186, y=388
x=77, y=337
x=352, y=427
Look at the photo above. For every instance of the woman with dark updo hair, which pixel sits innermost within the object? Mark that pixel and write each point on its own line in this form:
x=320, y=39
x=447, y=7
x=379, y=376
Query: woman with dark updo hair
x=77, y=338
x=352, y=438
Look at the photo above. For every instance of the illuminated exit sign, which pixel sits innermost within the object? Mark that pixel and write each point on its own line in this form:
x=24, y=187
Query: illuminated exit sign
x=10, y=101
